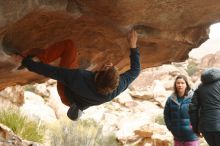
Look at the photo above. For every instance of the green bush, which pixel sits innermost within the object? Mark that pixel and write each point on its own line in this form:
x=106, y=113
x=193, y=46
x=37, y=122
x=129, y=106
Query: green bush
x=108, y=140
x=21, y=125
x=29, y=87
x=159, y=119
x=191, y=68
x=80, y=133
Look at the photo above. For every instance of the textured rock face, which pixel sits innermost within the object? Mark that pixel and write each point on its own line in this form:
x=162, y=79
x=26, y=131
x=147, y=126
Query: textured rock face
x=167, y=30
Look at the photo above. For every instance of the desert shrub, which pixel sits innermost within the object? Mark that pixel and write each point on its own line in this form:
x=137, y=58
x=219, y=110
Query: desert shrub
x=191, y=68
x=21, y=125
x=159, y=119
x=108, y=140
x=83, y=132
x=29, y=87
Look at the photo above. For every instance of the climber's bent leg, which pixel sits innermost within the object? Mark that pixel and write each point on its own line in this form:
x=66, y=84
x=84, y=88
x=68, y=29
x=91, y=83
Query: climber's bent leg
x=65, y=50
x=67, y=53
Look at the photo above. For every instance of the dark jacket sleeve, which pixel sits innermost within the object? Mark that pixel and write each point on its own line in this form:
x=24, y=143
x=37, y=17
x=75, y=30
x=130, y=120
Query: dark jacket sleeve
x=127, y=77
x=194, y=108
x=57, y=73
x=166, y=114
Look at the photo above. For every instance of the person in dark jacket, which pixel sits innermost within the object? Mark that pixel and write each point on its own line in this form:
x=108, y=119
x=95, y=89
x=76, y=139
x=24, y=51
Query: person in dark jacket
x=205, y=107
x=84, y=88
x=176, y=115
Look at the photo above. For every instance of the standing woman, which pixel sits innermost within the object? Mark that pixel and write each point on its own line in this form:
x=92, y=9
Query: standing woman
x=176, y=114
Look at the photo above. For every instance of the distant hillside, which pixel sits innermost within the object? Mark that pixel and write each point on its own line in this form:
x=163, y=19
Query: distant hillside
x=209, y=47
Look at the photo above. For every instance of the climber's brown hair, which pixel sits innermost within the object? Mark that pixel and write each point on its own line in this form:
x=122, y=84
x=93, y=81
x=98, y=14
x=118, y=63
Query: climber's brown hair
x=107, y=80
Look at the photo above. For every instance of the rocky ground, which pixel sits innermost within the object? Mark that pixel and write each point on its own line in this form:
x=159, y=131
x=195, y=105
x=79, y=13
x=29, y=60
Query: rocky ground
x=134, y=116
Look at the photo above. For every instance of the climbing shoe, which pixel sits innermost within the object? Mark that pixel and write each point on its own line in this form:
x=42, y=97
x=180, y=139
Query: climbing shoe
x=74, y=112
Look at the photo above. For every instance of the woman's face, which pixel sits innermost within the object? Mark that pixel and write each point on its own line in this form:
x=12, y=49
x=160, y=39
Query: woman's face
x=181, y=86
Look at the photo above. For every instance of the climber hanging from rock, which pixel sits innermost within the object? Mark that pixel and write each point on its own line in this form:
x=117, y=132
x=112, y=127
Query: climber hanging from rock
x=79, y=88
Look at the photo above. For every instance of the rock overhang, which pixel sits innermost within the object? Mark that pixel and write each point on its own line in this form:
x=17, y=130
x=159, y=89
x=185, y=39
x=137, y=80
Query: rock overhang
x=167, y=31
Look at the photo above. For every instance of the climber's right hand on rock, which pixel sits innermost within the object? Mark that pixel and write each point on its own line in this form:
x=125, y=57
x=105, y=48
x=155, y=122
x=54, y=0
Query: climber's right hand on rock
x=17, y=58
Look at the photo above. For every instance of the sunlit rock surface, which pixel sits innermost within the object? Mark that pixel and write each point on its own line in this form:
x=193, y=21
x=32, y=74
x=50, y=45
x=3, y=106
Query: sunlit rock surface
x=167, y=30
